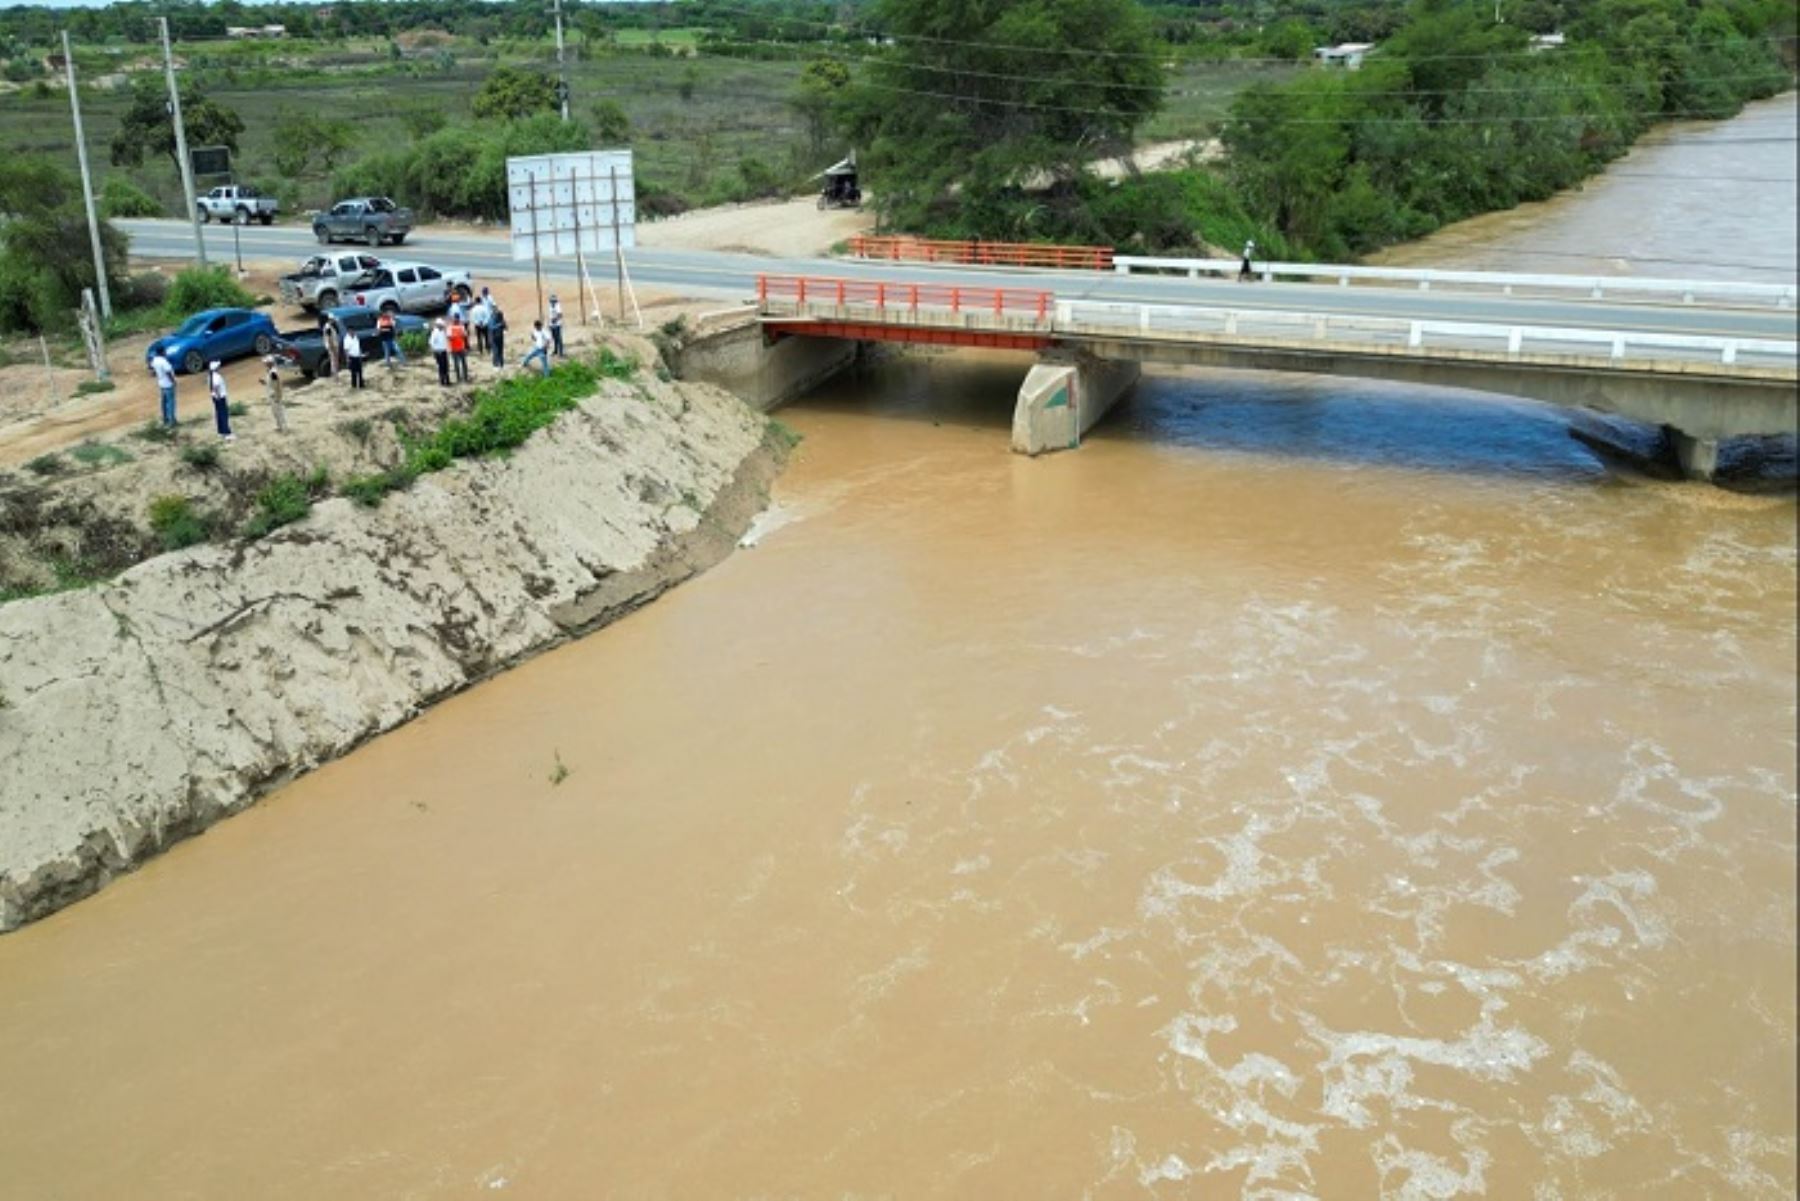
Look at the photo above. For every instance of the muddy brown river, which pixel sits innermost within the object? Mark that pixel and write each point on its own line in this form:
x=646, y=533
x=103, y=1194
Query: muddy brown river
x=1306, y=789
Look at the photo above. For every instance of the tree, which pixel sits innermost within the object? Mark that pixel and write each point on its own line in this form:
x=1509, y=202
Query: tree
x=610, y=122
x=47, y=258
x=147, y=126
x=511, y=92
x=973, y=100
x=302, y=138
x=822, y=82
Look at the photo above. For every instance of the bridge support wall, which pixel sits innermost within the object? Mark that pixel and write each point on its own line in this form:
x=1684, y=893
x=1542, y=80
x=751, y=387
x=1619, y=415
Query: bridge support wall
x=1062, y=397
x=1698, y=458
x=764, y=374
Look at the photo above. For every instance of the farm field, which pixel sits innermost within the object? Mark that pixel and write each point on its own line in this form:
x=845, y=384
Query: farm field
x=696, y=120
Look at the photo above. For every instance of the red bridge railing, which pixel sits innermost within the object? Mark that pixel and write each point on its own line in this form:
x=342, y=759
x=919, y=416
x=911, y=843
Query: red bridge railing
x=995, y=254
x=1026, y=303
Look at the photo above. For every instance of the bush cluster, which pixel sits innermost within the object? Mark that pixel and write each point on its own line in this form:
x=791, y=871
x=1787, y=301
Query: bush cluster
x=197, y=288
x=176, y=522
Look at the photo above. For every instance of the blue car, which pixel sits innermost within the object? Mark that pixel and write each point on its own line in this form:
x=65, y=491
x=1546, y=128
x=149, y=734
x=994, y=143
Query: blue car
x=221, y=334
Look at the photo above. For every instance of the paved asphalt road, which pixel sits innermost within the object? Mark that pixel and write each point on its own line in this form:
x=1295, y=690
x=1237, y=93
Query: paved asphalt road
x=733, y=277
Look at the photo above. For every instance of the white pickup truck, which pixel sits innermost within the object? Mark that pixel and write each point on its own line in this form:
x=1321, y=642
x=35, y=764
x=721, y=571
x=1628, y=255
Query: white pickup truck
x=407, y=288
x=240, y=204
x=323, y=280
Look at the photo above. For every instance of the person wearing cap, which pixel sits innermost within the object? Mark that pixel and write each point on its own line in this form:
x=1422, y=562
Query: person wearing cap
x=440, y=350
x=540, y=348
x=272, y=384
x=556, y=325
x=221, y=400
x=459, y=349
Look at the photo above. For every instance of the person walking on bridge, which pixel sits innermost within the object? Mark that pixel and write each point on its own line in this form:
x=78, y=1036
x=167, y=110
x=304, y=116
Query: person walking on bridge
x=1246, y=271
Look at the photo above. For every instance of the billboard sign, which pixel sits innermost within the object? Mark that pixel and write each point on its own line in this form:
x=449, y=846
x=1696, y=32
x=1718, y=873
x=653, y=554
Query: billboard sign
x=211, y=160
x=560, y=203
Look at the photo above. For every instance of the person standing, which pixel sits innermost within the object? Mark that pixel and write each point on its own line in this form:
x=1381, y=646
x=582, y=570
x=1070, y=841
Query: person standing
x=459, y=349
x=540, y=348
x=457, y=311
x=353, y=356
x=556, y=319
x=1245, y=271
x=334, y=345
x=440, y=350
x=272, y=382
x=164, y=371
x=384, y=330
x=480, y=315
x=221, y=400
x=497, y=332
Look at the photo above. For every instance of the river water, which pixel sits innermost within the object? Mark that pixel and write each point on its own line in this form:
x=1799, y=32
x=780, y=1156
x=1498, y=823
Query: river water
x=1307, y=789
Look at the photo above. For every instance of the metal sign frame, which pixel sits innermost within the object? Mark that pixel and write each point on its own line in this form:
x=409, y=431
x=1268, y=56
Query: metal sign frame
x=203, y=157
x=567, y=204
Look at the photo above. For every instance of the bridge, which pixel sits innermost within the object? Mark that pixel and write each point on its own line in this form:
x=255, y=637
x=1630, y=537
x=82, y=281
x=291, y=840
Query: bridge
x=1707, y=359
x=1702, y=387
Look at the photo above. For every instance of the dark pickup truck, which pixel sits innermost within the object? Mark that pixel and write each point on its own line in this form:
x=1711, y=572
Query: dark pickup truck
x=304, y=349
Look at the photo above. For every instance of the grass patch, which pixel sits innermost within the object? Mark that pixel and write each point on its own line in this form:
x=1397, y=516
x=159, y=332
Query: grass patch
x=176, y=522
x=784, y=435
x=154, y=431
x=99, y=454
x=559, y=771
x=91, y=387
x=202, y=456
x=285, y=500
x=237, y=408
x=47, y=465
x=358, y=428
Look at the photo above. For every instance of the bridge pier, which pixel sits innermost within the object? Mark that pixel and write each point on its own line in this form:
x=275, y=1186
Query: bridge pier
x=1698, y=458
x=1062, y=397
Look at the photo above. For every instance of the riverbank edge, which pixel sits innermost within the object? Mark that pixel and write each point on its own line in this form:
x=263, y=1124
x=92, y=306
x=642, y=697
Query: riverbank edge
x=39, y=877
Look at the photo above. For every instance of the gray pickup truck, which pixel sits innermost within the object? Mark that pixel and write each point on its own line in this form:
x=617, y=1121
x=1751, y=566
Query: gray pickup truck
x=371, y=219
x=323, y=278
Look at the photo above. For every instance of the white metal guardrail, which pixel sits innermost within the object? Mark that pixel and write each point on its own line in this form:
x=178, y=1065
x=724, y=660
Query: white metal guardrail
x=1183, y=322
x=1593, y=287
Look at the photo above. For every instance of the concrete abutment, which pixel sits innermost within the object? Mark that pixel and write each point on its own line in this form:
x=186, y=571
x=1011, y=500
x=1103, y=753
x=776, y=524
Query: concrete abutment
x=1062, y=397
x=762, y=373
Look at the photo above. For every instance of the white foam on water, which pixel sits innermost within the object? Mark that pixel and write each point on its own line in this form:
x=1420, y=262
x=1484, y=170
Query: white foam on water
x=767, y=522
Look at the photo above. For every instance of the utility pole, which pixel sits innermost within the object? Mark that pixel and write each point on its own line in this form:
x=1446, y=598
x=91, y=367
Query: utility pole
x=187, y=168
x=87, y=184
x=562, y=75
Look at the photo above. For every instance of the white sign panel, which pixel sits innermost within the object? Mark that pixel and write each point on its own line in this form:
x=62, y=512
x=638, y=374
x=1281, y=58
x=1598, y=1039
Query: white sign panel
x=560, y=202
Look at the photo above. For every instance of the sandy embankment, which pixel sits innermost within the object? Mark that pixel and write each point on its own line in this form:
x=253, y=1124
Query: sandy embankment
x=140, y=710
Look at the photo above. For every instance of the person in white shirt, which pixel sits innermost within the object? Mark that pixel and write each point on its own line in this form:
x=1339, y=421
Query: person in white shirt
x=221, y=400
x=556, y=326
x=440, y=350
x=353, y=356
x=164, y=371
x=1245, y=271
x=540, y=347
x=478, y=317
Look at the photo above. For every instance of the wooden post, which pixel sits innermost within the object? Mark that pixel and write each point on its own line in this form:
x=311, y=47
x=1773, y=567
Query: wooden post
x=537, y=259
x=618, y=246
x=575, y=212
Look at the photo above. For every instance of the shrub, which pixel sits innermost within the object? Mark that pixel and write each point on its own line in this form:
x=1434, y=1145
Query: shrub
x=154, y=431
x=415, y=343
x=145, y=290
x=202, y=456
x=367, y=490
x=89, y=387
x=122, y=198
x=47, y=465
x=98, y=454
x=283, y=501
x=198, y=288
x=358, y=428
x=176, y=522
